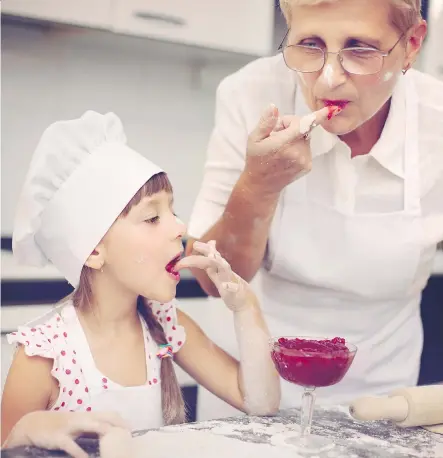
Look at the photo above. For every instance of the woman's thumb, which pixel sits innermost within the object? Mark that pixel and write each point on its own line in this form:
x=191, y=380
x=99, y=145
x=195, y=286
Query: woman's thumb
x=267, y=123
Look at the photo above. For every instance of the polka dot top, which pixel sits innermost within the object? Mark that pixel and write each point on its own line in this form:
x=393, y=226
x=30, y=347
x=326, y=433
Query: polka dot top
x=61, y=338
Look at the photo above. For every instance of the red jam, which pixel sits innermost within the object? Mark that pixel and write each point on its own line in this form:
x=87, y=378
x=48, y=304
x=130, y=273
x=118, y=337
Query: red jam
x=312, y=363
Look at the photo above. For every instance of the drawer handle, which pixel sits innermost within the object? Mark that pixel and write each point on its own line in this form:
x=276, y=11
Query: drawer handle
x=174, y=20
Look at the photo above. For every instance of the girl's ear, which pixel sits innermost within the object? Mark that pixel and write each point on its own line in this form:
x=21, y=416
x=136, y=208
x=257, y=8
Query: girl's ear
x=96, y=259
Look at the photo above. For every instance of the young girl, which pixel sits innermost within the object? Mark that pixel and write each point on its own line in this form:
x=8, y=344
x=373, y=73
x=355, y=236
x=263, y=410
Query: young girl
x=103, y=215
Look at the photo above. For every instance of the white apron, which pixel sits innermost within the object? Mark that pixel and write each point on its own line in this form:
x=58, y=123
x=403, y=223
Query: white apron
x=353, y=275
x=140, y=406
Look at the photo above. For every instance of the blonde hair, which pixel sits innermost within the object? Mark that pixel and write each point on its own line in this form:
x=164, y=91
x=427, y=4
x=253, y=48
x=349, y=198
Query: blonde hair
x=173, y=405
x=405, y=13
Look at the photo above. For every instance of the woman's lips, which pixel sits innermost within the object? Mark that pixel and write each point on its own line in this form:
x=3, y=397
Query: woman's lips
x=335, y=107
x=336, y=103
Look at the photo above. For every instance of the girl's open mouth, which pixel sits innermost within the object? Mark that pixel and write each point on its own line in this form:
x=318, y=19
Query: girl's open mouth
x=170, y=267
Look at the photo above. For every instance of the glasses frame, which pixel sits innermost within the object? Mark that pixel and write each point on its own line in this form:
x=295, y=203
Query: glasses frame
x=383, y=55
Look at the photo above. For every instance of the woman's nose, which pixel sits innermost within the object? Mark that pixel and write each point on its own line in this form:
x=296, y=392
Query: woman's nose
x=333, y=73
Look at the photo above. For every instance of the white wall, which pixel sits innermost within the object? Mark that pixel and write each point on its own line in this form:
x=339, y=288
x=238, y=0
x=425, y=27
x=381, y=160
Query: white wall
x=165, y=103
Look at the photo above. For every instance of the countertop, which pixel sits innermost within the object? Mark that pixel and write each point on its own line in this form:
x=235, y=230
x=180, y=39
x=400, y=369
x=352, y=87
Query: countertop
x=260, y=437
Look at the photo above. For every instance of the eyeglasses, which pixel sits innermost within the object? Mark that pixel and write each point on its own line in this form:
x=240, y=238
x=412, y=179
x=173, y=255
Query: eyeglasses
x=355, y=60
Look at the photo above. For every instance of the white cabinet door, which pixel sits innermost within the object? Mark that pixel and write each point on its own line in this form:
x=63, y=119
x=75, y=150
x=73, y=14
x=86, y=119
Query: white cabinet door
x=88, y=13
x=244, y=26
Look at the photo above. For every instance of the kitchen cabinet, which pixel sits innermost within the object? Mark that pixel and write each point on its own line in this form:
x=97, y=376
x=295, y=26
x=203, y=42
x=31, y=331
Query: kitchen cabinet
x=245, y=26
x=87, y=13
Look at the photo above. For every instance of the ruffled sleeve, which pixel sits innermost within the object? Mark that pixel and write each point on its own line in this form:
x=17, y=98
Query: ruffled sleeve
x=166, y=315
x=38, y=340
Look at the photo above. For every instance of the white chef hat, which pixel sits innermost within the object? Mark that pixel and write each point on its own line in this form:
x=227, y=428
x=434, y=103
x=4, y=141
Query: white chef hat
x=81, y=177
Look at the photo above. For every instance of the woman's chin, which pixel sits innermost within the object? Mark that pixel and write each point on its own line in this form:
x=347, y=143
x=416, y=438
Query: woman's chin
x=341, y=125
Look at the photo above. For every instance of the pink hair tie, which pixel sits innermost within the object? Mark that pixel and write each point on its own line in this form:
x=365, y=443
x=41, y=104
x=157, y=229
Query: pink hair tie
x=165, y=351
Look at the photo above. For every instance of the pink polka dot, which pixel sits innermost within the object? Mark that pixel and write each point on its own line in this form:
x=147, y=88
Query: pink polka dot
x=68, y=371
x=48, y=326
x=77, y=381
x=63, y=404
x=170, y=339
x=55, y=336
x=174, y=328
x=168, y=318
x=57, y=408
x=63, y=353
x=56, y=369
x=87, y=390
x=70, y=392
x=104, y=380
x=88, y=409
x=105, y=387
x=14, y=333
x=74, y=361
x=74, y=352
x=154, y=380
x=64, y=390
x=160, y=319
x=158, y=312
x=58, y=318
x=33, y=329
x=38, y=345
x=65, y=334
x=23, y=334
x=179, y=343
x=49, y=340
x=79, y=401
x=27, y=342
x=150, y=382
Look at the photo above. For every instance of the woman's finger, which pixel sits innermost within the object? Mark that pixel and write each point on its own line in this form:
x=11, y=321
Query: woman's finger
x=298, y=127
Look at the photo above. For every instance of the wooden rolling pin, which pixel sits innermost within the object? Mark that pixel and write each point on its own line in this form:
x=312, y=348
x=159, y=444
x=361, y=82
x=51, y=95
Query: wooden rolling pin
x=416, y=406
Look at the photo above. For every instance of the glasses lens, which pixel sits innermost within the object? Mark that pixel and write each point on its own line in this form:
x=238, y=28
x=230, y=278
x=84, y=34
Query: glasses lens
x=303, y=58
x=361, y=61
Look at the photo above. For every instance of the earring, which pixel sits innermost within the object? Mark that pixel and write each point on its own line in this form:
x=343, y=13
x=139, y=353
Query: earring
x=404, y=71
x=101, y=268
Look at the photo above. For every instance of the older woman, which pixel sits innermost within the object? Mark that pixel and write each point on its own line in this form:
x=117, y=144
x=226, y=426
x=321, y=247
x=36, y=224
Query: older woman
x=346, y=249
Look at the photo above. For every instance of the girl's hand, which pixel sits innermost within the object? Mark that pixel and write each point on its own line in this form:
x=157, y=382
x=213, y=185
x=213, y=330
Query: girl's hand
x=235, y=292
x=58, y=430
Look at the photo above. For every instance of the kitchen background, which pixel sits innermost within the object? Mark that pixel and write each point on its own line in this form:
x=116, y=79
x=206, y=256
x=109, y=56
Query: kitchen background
x=157, y=65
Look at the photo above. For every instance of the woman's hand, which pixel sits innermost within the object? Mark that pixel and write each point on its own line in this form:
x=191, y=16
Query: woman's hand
x=278, y=150
x=235, y=292
x=58, y=430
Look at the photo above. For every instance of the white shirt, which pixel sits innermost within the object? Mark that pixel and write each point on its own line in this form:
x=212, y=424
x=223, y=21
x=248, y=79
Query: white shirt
x=373, y=182
x=352, y=243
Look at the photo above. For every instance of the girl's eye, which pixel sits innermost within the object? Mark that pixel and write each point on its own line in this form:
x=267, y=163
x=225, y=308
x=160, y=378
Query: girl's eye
x=154, y=220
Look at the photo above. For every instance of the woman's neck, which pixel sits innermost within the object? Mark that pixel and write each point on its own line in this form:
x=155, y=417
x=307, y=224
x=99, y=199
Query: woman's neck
x=362, y=140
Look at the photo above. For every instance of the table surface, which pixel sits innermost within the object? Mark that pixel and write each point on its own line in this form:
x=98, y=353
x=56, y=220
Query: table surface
x=355, y=439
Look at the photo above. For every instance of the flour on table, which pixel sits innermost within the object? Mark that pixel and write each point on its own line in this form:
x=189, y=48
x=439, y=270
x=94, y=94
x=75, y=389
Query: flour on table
x=192, y=444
